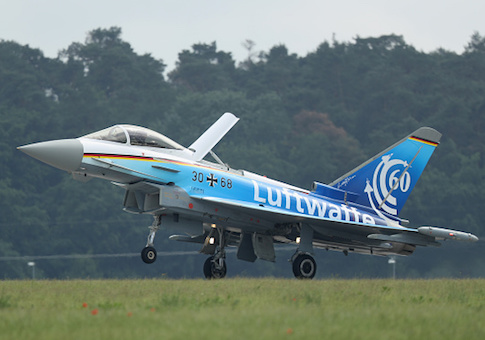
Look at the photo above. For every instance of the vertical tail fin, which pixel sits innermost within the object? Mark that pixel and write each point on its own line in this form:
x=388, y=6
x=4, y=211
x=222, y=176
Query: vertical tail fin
x=385, y=181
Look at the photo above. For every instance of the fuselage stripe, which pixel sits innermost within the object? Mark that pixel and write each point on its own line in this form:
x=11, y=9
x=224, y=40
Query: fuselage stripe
x=102, y=155
x=142, y=158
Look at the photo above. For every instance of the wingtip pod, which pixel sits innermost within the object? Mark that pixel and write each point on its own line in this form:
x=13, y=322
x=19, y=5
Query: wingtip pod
x=449, y=234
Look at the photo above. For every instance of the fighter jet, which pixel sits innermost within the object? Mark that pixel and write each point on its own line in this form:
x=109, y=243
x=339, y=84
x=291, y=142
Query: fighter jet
x=216, y=206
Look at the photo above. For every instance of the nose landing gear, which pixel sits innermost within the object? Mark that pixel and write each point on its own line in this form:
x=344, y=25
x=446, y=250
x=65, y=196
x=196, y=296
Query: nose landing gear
x=149, y=253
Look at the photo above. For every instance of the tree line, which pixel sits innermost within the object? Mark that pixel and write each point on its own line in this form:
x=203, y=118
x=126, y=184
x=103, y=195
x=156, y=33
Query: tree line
x=303, y=118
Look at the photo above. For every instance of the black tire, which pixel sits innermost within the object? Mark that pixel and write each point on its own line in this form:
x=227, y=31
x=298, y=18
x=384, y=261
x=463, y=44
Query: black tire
x=210, y=270
x=304, y=267
x=148, y=255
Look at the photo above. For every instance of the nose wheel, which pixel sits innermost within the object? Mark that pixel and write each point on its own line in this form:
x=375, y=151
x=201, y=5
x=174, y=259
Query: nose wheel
x=149, y=255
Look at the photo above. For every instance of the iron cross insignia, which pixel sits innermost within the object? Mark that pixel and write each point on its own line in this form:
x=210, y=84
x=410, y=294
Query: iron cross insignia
x=212, y=180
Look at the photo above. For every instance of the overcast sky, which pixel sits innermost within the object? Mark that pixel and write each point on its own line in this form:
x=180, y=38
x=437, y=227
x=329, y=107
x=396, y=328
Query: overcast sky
x=164, y=28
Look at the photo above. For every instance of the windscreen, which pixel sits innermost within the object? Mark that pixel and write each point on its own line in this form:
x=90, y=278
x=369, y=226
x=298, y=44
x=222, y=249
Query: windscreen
x=111, y=134
x=145, y=137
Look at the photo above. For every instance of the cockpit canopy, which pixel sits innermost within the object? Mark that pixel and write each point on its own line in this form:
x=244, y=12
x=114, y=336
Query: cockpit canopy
x=135, y=135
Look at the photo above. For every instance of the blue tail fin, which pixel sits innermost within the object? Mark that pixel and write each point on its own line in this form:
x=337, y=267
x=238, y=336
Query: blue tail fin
x=385, y=181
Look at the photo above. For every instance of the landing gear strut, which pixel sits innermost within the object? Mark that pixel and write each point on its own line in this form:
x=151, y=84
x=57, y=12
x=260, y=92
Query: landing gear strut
x=149, y=253
x=215, y=266
x=304, y=266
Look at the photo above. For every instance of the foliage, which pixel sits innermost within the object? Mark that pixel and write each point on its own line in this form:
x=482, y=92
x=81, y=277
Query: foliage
x=303, y=118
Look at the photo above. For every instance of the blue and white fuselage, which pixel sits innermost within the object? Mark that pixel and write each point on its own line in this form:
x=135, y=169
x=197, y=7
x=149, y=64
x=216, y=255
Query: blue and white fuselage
x=205, y=180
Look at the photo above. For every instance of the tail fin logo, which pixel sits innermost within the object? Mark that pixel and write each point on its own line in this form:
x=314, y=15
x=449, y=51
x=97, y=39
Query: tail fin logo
x=390, y=177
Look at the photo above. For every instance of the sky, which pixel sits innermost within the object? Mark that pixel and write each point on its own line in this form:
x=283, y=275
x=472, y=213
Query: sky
x=163, y=28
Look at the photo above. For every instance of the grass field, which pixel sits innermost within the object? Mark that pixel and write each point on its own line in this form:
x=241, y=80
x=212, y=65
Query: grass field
x=243, y=309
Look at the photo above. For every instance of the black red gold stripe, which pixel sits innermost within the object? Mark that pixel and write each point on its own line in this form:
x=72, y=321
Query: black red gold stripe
x=424, y=141
x=103, y=155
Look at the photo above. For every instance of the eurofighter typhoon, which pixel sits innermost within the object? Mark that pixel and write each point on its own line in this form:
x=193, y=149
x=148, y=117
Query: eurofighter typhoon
x=216, y=206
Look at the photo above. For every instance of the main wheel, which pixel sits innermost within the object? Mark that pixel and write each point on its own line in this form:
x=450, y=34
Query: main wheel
x=304, y=267
x=211, y=270
x=148, y=254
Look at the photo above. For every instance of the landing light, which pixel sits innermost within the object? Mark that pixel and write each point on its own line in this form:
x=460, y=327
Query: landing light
x=212, y=240
x=213, y=226
x=298, y=239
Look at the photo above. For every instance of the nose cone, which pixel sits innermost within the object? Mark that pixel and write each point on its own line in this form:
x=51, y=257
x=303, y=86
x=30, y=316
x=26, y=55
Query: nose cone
x=64, y=154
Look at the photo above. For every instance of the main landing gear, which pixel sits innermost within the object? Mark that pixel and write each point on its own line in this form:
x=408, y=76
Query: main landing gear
x=149, y=253
x=215, y=266
x=304, y=266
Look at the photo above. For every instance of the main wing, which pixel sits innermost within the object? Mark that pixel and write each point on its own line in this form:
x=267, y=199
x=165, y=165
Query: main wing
x=336, y=232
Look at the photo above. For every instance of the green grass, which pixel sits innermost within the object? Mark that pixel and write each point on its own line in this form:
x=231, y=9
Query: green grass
x=243, y=309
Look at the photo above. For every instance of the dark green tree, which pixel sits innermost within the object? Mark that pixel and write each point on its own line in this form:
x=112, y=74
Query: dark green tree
x=204, y=69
